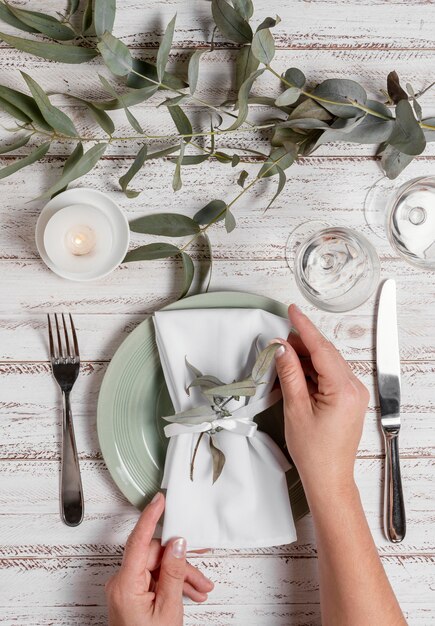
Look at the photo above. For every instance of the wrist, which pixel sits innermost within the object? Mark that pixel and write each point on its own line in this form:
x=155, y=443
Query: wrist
x=325, y=494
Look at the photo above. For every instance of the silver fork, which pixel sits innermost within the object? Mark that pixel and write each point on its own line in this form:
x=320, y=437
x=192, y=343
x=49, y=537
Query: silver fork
x=65, y=365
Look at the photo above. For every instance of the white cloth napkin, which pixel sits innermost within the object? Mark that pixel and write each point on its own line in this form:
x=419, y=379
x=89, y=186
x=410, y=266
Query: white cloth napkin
x=248, y=506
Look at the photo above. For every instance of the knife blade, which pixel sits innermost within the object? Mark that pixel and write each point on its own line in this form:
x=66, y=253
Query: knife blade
x=388, y=371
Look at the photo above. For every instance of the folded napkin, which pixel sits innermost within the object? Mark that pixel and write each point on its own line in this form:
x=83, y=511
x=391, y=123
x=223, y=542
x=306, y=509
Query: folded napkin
x=248, y=505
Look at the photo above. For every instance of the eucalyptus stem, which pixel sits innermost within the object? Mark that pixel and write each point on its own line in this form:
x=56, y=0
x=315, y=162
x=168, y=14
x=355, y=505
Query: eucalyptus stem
x=195, y=451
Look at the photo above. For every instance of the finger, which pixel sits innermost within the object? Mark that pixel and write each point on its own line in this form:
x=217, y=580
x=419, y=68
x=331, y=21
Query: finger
x=194, y=594
x=291, y=376
x=308, y=369
x=172, y=575
x=197, y=579
x=326, y=359
x=297, y=344
x=155, y=554
x=137, y=549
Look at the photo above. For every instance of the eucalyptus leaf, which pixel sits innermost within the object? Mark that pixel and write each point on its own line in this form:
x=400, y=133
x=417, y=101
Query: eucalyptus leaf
x=188, y=273
x=134, y=168
x=246, y=64
x=165, y=224
x=281, y=184
x=165, y=49
x=103, y=16
x=73, y=158
x=34, y=156
x=88, y=18
x=338, y=95
x=73, y=6
x=99, y=115
x=218, y=460
x=63, y=53
x=24, y=103
x=84, y=165
x=182, y=122
x=304, y=123
x=14, y=111
x=244, y=8
x=130, y=98
x=42, y=23
x=263, y=46
x=130, y=117
x=284, y=157
x=9, y=18
x=235, y=160
x=429, y=132
x=151, y=252
x=310, y=109
x=242, y=99
x=194, y=159
x=244, y=388
x=394, y=88
x=214, y=211
x=295, y=77
x=170, y=102
x=242, y=178
x=22, y=141
x=193, y=369
x=133, y=121
x=283, y=136
x=264, y=362
x=230, y=221
x=148, y=72
x=222, y=157
x=407, y=136
x=205, y=382
x=289, y=96
x=56, y=118
x=394, y=162
x=230, y=23
x=193, y=70
x=209, y=271
x=196, y=415
x=116, y=54
x=176, y=180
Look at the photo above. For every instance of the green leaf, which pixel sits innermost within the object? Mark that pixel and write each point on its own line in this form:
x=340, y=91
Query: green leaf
x=244, y=388
x=209, y=264
x=429, y=133
x=394, y=162
x=244, y=8
x=230, y=221
x=148, y=73
x=130, y=117
x=284, y=157
x=194, y=369
x=242, y=99
x=242, y=178
x=205, y=382
x=223, y=157
x=88, y=18
x=369, y=129
x=14, y=146
x=14, y=111
x=218, y=460
x=151, y=252
x=25, y=104
x=230, y=23
x=116, y=55
x=309, y=108
x=132, y=171
x=34, y=156
x=9, y=18
x=73, y=6
x=214, y=211
x=165, y=49
x=264, y=362
x=99, y=115
x=75, y=156
x=63, y=53
x=56, y=118
x=263, y=46
x=193, y=70
x=165, y=224
x=281, y=184
x=176, y=180
x=104, y=16
x=295, y=77
x=246, y=64
x=133, y=121
x=235, y=160
x=79, y=169
x=394, y=88
x=129, y=98
x=337, y=96
x=182, y=122
x=194, y=159
x=289, y=96
x=282, y=136
x=304, y=123
x=162, y=153
x=188, y=273
x=42, y=23
x=170, y=102
x=197, y=415
x=407, y=136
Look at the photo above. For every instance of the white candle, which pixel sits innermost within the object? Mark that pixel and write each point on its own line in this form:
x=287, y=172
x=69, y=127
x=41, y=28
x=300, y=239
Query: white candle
x=80, y=239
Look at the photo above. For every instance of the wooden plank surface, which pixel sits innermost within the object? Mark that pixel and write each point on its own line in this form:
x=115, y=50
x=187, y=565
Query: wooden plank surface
x=51, y=574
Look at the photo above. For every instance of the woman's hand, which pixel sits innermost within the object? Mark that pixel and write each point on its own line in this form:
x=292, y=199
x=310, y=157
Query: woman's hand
x=148, y=589
x=324, y=407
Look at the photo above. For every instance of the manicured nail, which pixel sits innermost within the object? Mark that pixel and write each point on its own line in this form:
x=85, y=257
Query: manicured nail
x=156, y=498
x=279, y=352
x=179, y=548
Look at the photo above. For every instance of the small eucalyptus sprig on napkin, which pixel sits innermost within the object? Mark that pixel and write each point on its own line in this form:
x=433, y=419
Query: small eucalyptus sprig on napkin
x=218, y=396
x=302, y=116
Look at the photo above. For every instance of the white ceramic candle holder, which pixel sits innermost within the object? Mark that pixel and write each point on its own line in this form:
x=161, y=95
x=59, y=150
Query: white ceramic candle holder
x=82, y=235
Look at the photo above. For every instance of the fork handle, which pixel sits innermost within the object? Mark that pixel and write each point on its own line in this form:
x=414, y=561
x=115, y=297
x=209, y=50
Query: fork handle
x=71, y=483
x=394, y=507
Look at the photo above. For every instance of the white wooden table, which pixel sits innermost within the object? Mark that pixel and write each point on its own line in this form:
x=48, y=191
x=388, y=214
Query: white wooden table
x=51, y=574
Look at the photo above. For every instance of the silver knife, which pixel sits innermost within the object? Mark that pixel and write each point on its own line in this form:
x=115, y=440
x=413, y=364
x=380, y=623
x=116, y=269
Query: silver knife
x=388, y=370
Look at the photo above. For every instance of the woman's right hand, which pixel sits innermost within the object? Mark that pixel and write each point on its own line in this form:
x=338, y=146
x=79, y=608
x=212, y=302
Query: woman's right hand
x=324, y=407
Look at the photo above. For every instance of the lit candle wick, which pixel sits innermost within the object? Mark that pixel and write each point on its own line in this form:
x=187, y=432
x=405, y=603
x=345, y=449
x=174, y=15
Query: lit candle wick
x=80, y=240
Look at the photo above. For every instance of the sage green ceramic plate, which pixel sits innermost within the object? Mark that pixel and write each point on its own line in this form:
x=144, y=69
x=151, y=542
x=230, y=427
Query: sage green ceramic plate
x=133, y=396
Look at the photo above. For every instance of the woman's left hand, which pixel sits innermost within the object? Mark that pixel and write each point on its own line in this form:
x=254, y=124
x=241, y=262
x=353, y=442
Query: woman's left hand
x=148, y=589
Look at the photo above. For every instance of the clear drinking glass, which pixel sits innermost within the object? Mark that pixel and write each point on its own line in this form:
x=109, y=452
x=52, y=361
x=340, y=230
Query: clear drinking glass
x=405, y=211
x=335, y=268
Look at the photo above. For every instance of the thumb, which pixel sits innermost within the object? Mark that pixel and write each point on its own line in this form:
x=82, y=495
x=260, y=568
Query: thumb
x=291, y=376
x=171, y=577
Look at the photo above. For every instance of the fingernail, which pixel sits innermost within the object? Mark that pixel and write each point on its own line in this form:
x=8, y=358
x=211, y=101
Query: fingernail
x=156, y=498
x=179, y=548
x=296, y=308
x=280, y=351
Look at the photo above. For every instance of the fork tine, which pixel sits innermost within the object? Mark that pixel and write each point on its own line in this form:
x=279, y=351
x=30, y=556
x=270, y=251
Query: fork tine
x=65, y=331
x=76, y=345
x=59, y=341
x=50, y=338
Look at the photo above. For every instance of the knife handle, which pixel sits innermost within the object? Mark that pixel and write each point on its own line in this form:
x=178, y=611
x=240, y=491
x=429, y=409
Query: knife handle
x=394, y=507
